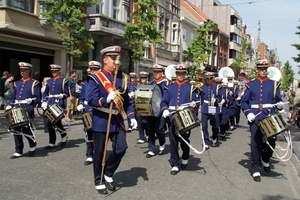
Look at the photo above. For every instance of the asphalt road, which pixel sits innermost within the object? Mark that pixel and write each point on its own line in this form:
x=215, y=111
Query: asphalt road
x=221, y=172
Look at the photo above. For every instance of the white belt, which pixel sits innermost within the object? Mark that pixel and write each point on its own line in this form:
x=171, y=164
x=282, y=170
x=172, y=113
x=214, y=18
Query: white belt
x=267, y=105
x=53, y=95
x=205, y=101
x=85, y=103
x=20, y=101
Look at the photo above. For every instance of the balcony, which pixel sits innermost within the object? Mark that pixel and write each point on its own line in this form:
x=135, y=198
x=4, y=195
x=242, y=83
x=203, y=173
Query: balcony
x=234, y=45
x=235, y=29
x=104, y=25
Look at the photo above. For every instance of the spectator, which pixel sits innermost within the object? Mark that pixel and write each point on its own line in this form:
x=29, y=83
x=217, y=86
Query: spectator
x=2, y=88
x=9, y=90
x=296, y=104
x=71, y=98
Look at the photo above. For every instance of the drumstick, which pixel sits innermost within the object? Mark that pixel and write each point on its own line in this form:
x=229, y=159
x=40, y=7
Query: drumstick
x=186, y=104
x=257, y=114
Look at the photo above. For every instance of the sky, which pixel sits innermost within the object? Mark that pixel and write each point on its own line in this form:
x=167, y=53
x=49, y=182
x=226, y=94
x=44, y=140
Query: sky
x=278, y=19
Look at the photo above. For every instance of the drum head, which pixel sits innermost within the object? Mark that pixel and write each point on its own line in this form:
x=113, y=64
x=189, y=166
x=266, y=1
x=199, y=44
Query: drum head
x=156, y=99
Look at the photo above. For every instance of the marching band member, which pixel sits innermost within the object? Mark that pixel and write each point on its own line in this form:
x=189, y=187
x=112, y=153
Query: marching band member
x=175, y=95
x=94, y=66
x=156, y=125
x=102, y=91
x=56, y=91
x=223, y=114
x=209, y=101
x=237, y=112
x=261, y=98
x=233, y=94
x=27, y=93
x=142, y=120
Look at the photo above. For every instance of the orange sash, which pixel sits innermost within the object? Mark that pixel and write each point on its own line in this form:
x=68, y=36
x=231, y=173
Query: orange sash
x=108, y=86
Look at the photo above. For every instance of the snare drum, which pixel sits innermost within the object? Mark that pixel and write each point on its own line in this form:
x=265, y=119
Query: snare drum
x=147, y=100
x=54, y=113
x=17, y=117
x=272, y=125
x=87, y=120
x=185, y=119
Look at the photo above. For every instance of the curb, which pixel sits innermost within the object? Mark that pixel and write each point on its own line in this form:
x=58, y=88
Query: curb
x=296, y=158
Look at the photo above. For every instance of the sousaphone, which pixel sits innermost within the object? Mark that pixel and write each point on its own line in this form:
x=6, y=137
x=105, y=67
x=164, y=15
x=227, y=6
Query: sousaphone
x=274, y=73
x=170, y=71
x=224, y=72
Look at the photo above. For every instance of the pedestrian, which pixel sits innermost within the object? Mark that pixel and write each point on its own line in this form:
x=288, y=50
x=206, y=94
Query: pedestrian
x=156, y=125
x=8, y=89
x=2, y=88
x=71, y=99
x=94, y=67
x=26, y=95
x=174, y=96
x=55, y=93
x=258, y=103
x=108, y=87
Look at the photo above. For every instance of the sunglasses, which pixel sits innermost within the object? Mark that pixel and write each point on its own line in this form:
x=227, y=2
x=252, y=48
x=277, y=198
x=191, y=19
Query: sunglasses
x=210, y=78
x=23, y=70
x=93, y=69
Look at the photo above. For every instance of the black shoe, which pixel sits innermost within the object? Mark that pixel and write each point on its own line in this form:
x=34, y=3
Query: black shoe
x=256, y=178
x=149, y=155
x=267, y=169
x=183, y=166
x=49, y=147
x=87, y=162
x=102, y=191
x=31, y=153
x=110, y=186
x=160, y=152
x=14, y=157
x=174, y=172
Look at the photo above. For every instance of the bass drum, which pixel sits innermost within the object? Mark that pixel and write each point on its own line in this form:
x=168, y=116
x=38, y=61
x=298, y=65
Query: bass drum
x=147, y=100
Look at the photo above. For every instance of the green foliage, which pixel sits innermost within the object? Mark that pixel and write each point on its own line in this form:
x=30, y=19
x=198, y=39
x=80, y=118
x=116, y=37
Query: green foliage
x=297, y=46
x=287, y=76
x=239, y=64
x=201, y=46
x=72, y=29
x=145, y=28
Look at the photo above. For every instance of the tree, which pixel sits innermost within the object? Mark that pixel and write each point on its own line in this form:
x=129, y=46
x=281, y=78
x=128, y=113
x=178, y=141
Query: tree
x=143, y=28
x=71, y=28
x=240, y=63
x=201, y=46
x=297, y=46
x=287, y=76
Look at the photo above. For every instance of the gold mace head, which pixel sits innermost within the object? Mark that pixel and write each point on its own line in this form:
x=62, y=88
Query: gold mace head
x=117, y=62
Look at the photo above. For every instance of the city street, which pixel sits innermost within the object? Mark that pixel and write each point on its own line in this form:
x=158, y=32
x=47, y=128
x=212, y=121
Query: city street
x=222, y=172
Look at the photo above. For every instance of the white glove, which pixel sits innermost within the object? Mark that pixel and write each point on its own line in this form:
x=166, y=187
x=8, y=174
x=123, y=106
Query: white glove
x=222, y=101
x=44, y=105
x=29, y=100
x=80, y=107
x=242, y=93
x=193, y=104
x=8, y=107
x=60, y=96
x=251, y=117
x=213, y=101
x=166, y=113
x=239, y=98
x=230, y=93
x=133, y=123
x=280, y=105
x=131, y=94
x=111, y=96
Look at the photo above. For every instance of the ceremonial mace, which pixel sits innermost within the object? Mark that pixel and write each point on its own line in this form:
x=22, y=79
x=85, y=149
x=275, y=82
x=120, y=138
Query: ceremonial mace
x=117, y=63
